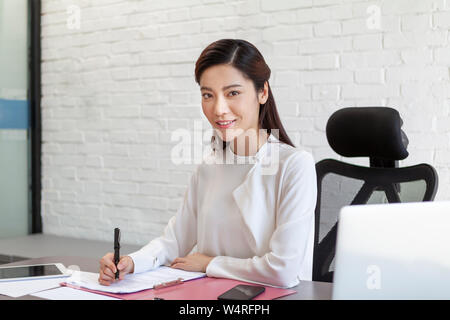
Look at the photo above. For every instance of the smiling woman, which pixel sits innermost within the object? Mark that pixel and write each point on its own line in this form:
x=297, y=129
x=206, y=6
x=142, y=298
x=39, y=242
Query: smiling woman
x=247, y=223
x=232, y=109
x=234, y=82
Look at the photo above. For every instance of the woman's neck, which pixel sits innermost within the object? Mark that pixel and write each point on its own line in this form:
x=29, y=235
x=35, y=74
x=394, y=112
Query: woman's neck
x=248, y=143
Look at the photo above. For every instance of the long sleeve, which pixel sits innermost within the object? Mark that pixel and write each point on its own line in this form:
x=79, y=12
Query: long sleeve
x=291, y=244
x=179, y=237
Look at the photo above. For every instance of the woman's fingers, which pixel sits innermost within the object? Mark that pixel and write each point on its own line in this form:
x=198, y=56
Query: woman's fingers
x=105, y=279
x=104, y=282
x=107, y=262
x=178, y=260
x=193, y=262
x=107, y=269
x=124, y=265
x=182, y=266
x=109, y=273
x=177, y=266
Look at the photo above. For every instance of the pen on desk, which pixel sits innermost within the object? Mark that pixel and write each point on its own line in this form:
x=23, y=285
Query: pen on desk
x=117, y=250
x=168, y=284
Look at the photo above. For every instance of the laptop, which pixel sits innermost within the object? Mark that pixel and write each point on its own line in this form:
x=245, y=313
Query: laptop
x=393, y=251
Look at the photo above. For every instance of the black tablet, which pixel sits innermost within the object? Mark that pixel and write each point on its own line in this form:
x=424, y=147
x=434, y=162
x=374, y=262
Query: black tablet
x=37, y=271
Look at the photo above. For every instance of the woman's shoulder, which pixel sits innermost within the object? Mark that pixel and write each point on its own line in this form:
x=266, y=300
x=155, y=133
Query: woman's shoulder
x=296, y=164
x=294, y=156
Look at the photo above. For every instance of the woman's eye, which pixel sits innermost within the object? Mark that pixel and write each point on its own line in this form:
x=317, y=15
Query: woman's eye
x=234, y=93
x=206, y=95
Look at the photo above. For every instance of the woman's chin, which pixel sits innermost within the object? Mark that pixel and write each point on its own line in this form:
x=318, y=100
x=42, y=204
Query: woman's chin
x=228, y=135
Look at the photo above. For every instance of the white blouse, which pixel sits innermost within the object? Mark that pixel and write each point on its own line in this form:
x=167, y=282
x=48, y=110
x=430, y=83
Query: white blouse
x=256, y=218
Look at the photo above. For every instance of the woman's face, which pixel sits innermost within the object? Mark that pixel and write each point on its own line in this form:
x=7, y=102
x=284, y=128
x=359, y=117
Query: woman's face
x=230, y=101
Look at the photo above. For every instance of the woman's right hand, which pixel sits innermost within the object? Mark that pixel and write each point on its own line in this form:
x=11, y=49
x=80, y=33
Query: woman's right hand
x=108, y=268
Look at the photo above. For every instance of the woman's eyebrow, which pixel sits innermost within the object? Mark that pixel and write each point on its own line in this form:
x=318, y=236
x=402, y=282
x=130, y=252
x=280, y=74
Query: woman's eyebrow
x=224, y=88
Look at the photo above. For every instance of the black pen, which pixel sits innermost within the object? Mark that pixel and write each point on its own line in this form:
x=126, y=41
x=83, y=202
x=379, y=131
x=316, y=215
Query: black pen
x=117, y=249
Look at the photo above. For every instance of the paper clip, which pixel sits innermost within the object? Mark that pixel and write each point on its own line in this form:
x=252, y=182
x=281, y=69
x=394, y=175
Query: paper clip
x=168, y=284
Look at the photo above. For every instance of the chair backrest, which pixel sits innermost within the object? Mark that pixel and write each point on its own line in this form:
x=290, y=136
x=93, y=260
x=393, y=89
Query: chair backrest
x=340, y=184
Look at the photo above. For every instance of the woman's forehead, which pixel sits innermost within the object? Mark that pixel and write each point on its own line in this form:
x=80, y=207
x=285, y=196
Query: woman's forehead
x=222, y=75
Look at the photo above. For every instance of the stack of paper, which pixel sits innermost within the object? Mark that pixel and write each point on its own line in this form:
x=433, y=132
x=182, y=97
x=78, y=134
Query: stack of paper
x=65, y=293
x=20, y=288
x=133, y=282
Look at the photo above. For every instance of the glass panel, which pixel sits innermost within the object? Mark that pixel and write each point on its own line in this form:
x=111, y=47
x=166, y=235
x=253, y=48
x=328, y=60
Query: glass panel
x=13, y=49
x=14, y=143
x=337, y=192
x=412, y=191
x=378, y=197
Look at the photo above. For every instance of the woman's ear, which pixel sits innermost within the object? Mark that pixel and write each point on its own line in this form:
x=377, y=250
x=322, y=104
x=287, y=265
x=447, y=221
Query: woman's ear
x=263, y=94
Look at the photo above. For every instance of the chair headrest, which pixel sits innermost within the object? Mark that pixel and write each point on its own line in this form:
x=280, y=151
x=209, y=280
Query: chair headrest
x=373, y=132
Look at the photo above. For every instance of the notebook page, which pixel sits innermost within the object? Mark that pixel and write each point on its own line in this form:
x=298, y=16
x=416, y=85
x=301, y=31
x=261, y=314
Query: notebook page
x=20, y=288
x=133, y=282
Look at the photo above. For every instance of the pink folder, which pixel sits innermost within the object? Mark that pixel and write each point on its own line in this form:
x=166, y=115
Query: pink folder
x=199, y=289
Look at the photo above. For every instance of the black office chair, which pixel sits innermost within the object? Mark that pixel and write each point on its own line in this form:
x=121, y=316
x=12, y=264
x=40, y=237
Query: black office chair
x=373, y=132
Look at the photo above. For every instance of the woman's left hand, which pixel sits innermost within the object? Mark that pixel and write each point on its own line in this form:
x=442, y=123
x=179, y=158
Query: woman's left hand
x=193, y=262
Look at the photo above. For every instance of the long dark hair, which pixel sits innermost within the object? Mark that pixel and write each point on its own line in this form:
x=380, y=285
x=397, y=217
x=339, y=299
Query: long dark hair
x=245, y=57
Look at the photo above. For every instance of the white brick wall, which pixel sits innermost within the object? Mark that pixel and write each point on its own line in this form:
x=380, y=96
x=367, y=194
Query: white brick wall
x=116, y=88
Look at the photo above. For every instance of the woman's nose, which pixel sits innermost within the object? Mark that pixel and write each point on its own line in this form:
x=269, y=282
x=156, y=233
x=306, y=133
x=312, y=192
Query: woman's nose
x=221, y=107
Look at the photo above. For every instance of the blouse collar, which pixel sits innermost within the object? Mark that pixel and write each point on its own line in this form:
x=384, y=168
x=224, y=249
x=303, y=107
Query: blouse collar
x=227, y=156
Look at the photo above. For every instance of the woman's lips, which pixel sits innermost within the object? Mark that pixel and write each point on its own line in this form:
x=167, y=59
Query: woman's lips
x=225, y=124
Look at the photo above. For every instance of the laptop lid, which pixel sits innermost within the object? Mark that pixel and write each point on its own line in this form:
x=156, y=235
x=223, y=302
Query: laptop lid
x=393, y=251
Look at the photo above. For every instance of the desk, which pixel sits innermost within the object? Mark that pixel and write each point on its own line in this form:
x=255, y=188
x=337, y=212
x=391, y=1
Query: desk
x=306, y=290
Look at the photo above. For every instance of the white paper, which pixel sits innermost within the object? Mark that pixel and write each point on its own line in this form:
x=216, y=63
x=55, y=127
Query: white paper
x=23, y=287
x=133, y=282
x=65, y=293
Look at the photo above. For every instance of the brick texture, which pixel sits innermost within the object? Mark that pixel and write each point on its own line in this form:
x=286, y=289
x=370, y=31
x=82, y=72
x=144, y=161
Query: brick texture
x=116, y=89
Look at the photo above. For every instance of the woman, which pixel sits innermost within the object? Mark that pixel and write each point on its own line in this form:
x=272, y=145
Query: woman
x=247, y=222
